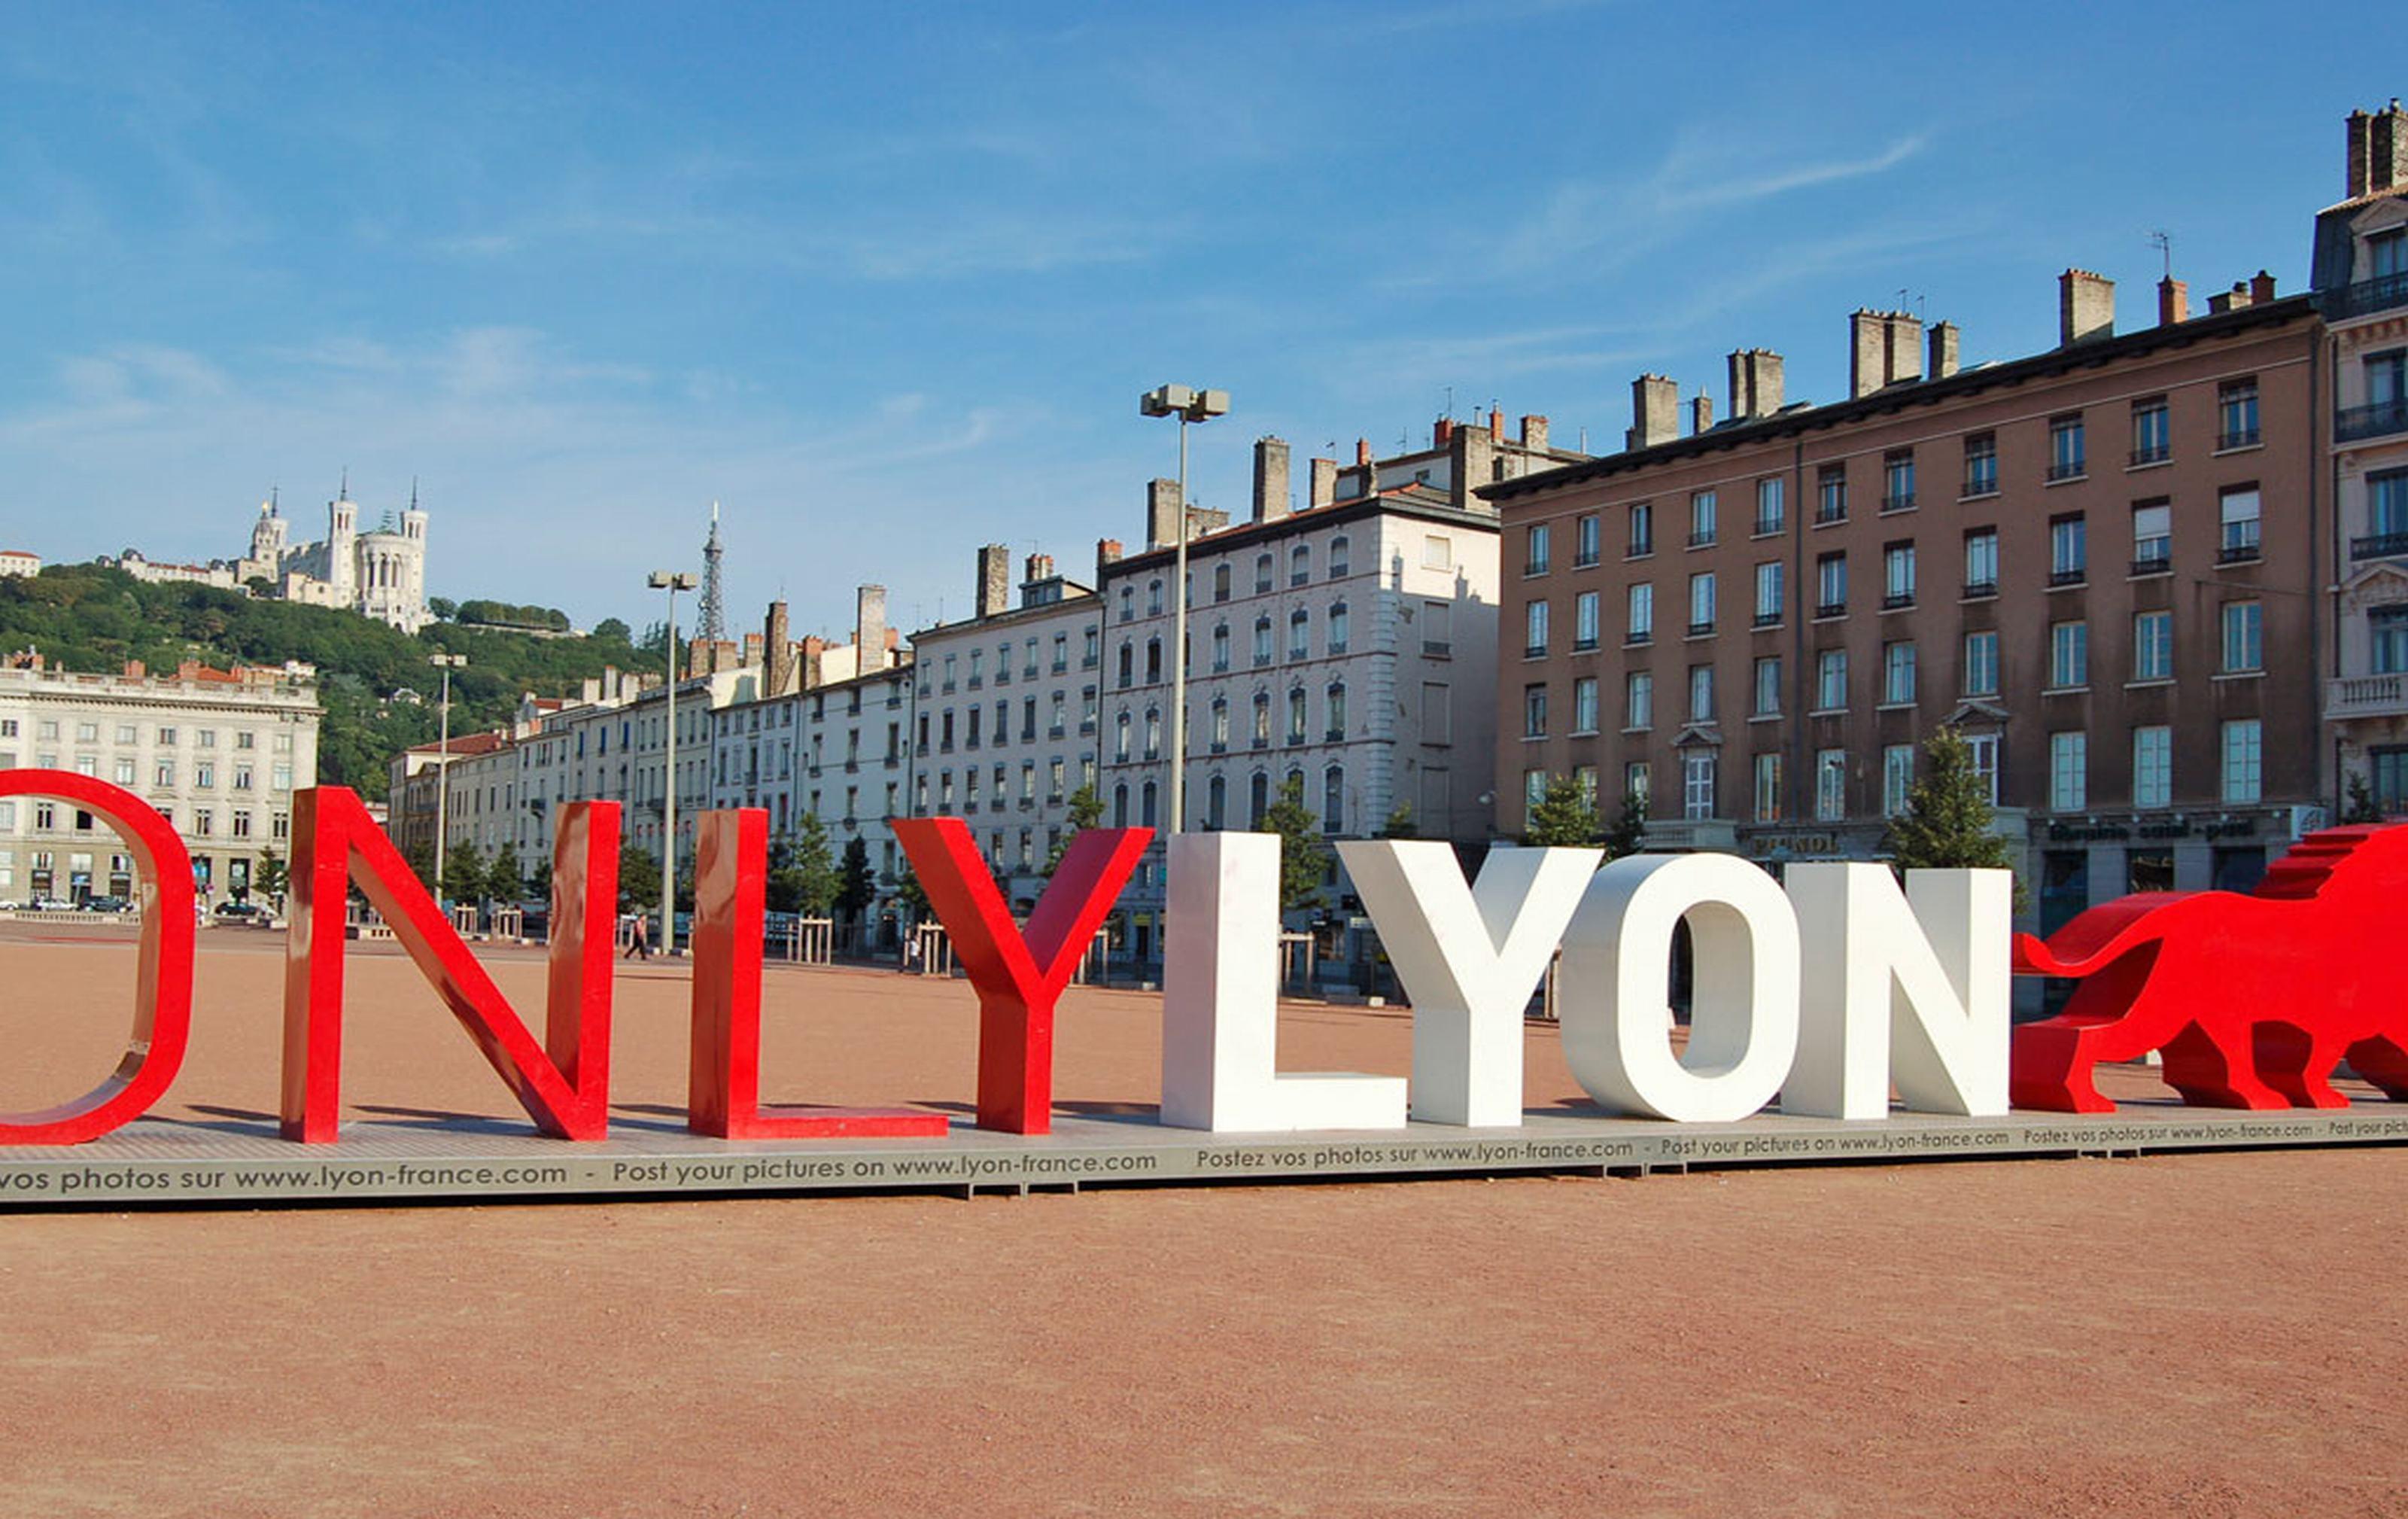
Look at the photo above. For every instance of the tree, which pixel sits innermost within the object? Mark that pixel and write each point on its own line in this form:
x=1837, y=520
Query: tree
x=419, y=855
x=464, y=872
x=1400, y=824
x=1628, y=834
x=2361, y=807
x=1946, y=825
x=857, y=883
x=1566, y=816
x=639, y=878
x=269, y=877
x=1304, y=859
x=910, y=897
x=802, y=870
x=505, y=877
x=1086, y=811
x=610, y=629
x=444, y=608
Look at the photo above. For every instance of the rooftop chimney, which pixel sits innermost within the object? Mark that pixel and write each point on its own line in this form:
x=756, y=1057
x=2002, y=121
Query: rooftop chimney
x=2085, y=307
x=779, y=646
x=1442, y=433
x=1362, y=451
x=870, y=629
x=994, y=581
x=1534, y=434
x=1270, y=477
x=1943, y=343
x=1495, y=424
x=1702, y=414
x=1654, y=411
x=1755, y=383
x=2358, y=127
x=1108, y=551
x=2235, y=299
x=2261, y=288
x=1041, y=567
x=1323, y=484
x=2173, y=302
x=1902, y=355
x=1868, y=336
x=2386, y=149
x=1161, y=514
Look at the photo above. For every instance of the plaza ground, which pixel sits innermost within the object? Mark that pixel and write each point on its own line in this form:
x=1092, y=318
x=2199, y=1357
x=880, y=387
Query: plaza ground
x=2207, y=1334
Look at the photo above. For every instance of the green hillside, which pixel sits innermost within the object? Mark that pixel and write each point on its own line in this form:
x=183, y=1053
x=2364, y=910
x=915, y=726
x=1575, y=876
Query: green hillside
x=91, y=617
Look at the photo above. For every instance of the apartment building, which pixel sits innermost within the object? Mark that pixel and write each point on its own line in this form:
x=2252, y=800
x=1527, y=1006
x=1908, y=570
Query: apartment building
x=219, y=753
x=1005, y=717
x=2102, y=563
x=1345, y=645
x=2361, y=286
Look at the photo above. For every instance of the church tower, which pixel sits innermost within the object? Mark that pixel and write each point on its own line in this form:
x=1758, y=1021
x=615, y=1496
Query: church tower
x=342, y=542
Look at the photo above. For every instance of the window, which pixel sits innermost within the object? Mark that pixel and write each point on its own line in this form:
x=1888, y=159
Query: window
x=2066, y=459
x=2387, y=512
x=1897, y=575
x=1262, y=718
x=2236, y=414
x=1534, y=789
x=1640, y=700
x=1584, y=704
x=1701, y=693
x=1262, y=641
x=2069, y=780
x=1534, y=631
x=1588, y=534
x=1263, y=573
x=2152, y=439
x=1702, y=519
x=1701, y=602
x=1697, y=786
x=1341, y=558
x=1642, y=530
x=2153, y=761
x=1982, y=465
x=1643, y=612
x=1299, y=633
x=1897, y=480
x=1218, y=737
x=1300, y=564
x=1120, y=738
x=1152, y=609
x=1832, y=585
x=2152, y=645
x=1221, y=581
x=2244, y=638
x=1830, y=785
x=1769, y=509
x=1897, y=778
x=1767, y=702
x=1768, y=787
x=1437, y=713
x=1638, y=781
x=2243, y=759
x=1221, y=647
x=1258, y=799
x=1985, y=749
x=1537, y=551
x=1295, y=714
x=1216, y=802
x=1981, y=562
x=1831, y=493
x=2069, y=655
x=1534, y=710
x=1153, y=663
x=1831, y=680
x=2389, y=628
x=2237, y=508
x=1152, y=740
x=1898, y=672
x=1338, y=628
x=2069, y=551
x=1768, y=593
x=1333, y=800
x=2152, y=537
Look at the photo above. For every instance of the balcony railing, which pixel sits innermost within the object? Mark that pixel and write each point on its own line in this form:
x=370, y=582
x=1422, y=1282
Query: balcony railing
x=2154, y=564
x=1897, y=599
x=1437, y=648
x=2151, y=453
x=2067, y=469
x=1534, y=651
x=2379, y=546
x=2239, y=552
x=2367, y=296
x=1823, y=514
x=1640, y=635
x=1703, y=538
x=2367, y=696
x=2352, y=422
x=1767, y=527
x=2074, y=576
x=1977, y=486
x=1830, y=609
x=2238, y=437
x=1700, y=630
x=1903, y=501
x=1975, y=589
x=1768, y=619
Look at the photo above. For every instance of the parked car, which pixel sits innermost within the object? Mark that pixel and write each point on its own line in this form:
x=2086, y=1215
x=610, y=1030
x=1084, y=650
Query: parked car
x=243, y=911
x=48, y=905
x=108, y=904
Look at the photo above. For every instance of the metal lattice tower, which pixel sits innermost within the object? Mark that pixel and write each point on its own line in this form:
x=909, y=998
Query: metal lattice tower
x=713, y=615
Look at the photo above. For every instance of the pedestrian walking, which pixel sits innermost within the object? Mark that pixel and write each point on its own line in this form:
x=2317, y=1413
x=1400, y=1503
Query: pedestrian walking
x=639, y=938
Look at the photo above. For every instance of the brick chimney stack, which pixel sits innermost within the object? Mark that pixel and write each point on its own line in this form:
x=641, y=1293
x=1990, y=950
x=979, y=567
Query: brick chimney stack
x=1161, y=514
x=1270, y=477
x=1534, y=434
x=870, y=629
x=1442, y=432
x=2173, y=302
x=1755, y=383
x=1867, y=335
x=1108, y=553
x=1362, y=453
x=1654, y=411
x=2261, y=288
x=1701, y=415
x=994, y=581
x=1322, y=488
x=2085, y=307
x=2386, y=149
x=778, y=645
x=1943, y=343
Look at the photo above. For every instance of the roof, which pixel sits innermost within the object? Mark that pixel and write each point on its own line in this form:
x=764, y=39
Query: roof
x=1413, y=499
x=1800, y=419
x=465, y=743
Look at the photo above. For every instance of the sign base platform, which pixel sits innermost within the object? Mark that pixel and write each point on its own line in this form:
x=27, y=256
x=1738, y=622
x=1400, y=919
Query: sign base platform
x=235, y=1162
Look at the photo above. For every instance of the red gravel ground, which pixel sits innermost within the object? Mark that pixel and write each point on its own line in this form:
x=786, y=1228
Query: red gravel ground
x=2196, y=1335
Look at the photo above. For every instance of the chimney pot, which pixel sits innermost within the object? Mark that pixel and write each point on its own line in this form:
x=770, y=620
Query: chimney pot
x=1654, y=411
x=1444, y=433
x=1108, y=551
x=1362, y=451
x=2261, y=288
x=2085, y=307
x=1495, y=424
x=2174, y=301
x=1534, y=433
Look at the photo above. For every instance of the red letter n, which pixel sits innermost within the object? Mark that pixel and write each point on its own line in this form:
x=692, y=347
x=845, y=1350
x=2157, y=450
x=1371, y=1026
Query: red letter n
x=1018, y=980
x=564, y=1085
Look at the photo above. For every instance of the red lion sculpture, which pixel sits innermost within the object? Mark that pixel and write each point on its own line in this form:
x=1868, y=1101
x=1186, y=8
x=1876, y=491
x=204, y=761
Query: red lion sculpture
x=2253, y=998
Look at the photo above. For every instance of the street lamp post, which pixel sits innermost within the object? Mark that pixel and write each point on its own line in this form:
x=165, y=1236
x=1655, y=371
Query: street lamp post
x=1187, y=404
x=663, y=580
x=447, y=664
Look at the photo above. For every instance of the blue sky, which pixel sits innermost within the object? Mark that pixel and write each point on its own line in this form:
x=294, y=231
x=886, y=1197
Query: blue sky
x=888, y=283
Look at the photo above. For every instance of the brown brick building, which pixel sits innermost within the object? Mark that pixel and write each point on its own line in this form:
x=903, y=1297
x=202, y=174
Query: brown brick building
x=2103, y=562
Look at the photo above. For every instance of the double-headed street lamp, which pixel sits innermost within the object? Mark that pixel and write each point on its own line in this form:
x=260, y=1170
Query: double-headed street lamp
x=663, y=580
x=447, y=664
x=1187, y=404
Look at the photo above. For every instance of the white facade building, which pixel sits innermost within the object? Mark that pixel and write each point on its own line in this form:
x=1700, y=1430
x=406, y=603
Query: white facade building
x=380, y=574
x=1006, y=714
x=218, y=753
